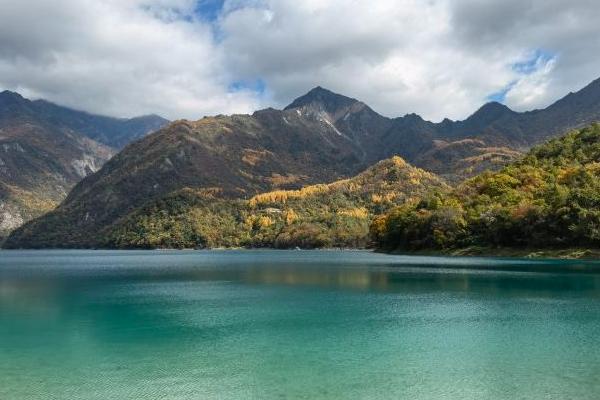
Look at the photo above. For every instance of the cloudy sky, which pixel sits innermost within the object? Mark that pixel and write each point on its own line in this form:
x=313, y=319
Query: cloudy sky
x=190, y=58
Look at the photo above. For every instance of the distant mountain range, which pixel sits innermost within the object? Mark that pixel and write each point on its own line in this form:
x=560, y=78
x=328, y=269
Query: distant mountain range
x=320, y=137
x=46, y=149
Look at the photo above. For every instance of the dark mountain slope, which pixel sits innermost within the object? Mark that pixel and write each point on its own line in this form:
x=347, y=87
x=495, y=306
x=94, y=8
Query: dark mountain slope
x=499, y=132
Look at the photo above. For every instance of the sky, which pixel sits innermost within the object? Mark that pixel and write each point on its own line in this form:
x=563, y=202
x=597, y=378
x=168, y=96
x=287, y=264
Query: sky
x=191, y=58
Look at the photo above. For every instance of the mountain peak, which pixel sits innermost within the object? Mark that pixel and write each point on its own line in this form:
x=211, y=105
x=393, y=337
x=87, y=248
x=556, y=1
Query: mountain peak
x=13, y=104
x=493, y=106
x=490, y=112
x=324, y=98
x=413, y=117
x=9, y=93
x=9, y=96
x=149, y=118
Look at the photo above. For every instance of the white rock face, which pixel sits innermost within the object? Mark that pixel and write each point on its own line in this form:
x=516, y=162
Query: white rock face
x=9, y=220
x=331, y=125
x=84, y=166
x=10, y=147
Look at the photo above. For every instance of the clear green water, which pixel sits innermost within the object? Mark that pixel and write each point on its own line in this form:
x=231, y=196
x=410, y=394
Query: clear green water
x=297, y=325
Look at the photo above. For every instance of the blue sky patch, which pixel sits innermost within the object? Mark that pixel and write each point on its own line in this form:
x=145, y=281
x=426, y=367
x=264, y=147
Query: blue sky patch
x=536, y=60
x=500, y=95
x=209, y=10
x=258, y=86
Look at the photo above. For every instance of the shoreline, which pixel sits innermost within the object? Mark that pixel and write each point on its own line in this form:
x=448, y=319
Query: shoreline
x=572, y=253
x=458, y=261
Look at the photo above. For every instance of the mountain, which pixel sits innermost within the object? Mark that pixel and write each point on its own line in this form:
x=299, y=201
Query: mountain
x=113, y=132
x=548, y=200
x=320, y=137
x=46, y=149
x=325, y=215
x=322, y=99
x=491, y=137
x=237, y=157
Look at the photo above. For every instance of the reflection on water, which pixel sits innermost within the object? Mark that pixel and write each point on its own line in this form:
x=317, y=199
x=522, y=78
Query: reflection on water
x=134, y=325
x=22, y=282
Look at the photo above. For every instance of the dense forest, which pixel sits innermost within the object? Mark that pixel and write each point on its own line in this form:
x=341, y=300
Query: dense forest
x=548, y=199
x=338, y=214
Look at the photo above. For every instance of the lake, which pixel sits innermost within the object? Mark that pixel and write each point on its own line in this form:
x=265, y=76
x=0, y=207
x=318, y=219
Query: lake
x=295, y=325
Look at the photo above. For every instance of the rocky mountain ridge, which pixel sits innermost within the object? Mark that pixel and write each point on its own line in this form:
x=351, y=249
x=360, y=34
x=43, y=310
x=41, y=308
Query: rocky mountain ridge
x=320, y=137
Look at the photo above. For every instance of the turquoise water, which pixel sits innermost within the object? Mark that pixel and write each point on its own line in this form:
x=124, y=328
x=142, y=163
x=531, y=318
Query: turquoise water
x=297, y=325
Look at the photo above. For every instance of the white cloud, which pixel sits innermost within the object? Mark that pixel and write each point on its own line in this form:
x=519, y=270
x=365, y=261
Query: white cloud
x=439, y=58
x=116, y=57
x=532, y=89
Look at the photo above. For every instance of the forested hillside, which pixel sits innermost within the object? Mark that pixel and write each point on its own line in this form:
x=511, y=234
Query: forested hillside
x=550, y=198
x=326, y=215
